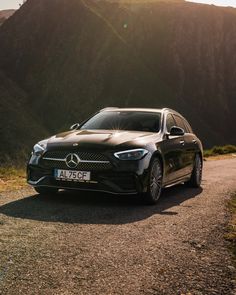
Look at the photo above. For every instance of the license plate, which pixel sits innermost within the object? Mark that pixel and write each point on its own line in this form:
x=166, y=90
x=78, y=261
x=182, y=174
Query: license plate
x=71, y=175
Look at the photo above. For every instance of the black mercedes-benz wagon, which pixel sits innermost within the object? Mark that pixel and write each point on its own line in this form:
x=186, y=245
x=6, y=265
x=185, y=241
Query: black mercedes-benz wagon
x=121, y=151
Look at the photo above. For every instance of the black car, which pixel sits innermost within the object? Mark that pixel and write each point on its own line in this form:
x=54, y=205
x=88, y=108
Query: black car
x=120, y=151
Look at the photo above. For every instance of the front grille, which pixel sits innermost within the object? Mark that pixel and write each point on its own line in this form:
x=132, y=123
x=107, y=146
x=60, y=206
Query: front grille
x=84, y=156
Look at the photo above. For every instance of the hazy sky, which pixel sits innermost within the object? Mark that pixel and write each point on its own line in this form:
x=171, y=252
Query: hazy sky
x=216, y=2
x=6, y=4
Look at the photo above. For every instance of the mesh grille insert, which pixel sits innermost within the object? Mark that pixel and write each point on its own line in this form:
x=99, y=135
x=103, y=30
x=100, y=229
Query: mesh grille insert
x=85, y=156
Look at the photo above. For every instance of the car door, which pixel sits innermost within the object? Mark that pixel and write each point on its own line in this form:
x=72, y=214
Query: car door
x=187, y=146
x=191, y=145
x=173, y=152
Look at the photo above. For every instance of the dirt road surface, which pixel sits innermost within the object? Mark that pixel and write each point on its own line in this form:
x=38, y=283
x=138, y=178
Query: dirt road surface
x=93, y=243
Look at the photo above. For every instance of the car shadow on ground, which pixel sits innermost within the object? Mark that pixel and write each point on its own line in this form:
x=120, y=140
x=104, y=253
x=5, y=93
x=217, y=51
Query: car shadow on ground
x=96, y=208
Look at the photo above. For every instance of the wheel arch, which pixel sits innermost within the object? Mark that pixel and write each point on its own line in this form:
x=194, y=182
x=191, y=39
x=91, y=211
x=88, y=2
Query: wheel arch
x=199, y=152
x=157, y=155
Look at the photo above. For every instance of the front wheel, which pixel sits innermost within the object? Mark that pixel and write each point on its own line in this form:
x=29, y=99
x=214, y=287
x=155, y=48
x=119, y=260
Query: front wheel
x=46, y=190
x=196, y=177
x=154, y=183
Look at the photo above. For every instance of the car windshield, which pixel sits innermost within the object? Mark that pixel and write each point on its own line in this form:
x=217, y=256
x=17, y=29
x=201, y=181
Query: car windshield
x=124, y=120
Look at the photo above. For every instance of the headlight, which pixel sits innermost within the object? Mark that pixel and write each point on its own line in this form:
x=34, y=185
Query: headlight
x=136, y=154
x=38, y=149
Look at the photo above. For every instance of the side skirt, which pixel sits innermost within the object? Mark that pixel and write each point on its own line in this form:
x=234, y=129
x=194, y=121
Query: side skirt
x=178, y=181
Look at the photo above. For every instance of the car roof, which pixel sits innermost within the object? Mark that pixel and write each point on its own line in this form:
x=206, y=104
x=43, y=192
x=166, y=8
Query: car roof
x=161, y=110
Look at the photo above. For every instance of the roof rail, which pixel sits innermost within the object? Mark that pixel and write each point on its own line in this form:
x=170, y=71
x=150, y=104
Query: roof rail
x=173, y=111
x=168, y=109
x=108, y=108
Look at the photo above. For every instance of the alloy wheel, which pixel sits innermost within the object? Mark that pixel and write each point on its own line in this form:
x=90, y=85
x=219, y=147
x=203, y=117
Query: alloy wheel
x=156, y=180
x=198, y=164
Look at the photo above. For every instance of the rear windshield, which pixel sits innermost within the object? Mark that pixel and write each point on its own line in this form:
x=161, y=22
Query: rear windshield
x=124, y=120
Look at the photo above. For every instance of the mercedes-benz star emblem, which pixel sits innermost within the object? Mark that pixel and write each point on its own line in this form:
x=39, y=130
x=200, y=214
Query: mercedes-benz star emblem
x=72, y=160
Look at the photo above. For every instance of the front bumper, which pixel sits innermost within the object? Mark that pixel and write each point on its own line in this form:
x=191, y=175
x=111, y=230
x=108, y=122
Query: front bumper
x=115, y=176
x=115, y=182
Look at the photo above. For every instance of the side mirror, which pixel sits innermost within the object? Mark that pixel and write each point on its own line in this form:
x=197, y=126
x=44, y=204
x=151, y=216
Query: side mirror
x=176, y=131
x=74, y=126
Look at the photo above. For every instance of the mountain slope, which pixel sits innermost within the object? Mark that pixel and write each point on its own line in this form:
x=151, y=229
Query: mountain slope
x=5, y=14
x=72, y=58
x=19, y=129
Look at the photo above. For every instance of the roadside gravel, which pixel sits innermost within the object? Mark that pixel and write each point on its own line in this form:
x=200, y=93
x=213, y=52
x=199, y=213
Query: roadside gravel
x=93, y=243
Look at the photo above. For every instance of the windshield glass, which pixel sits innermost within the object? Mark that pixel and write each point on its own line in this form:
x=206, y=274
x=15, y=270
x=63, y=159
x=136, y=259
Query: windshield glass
x=124, y=120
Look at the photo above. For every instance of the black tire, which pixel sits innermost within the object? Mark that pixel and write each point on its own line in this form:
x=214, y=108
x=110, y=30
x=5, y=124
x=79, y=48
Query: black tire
x=196, y=177
x=46, y=190
x=153, y=193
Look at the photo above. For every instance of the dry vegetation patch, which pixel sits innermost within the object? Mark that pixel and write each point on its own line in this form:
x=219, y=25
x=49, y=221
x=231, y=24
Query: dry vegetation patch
x=219, y=151
x=12, y=178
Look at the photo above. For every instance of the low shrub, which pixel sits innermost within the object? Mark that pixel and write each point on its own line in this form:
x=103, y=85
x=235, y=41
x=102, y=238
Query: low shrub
x=220, y=150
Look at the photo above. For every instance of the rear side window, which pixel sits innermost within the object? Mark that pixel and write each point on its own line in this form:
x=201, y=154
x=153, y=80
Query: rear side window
x=180, y=123
x=170, y=122
x=188, y=127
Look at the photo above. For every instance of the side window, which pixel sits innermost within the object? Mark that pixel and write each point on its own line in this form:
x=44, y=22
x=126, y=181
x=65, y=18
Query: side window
x=170, y=122
x=180, y=122
x=188, y=127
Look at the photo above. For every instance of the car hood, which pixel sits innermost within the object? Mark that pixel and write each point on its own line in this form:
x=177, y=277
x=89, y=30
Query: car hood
x=100, y=139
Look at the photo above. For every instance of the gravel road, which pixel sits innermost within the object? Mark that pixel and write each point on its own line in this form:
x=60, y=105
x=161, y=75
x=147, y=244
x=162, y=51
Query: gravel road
x=93, y=243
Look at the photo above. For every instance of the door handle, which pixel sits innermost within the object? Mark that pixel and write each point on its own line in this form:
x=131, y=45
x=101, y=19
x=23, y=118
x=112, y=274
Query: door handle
x=182, y=142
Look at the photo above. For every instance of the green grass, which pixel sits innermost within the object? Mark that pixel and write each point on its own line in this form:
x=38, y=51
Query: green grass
x=220, y=150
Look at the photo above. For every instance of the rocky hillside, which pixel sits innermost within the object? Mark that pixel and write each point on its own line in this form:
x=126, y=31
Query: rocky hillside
x=72, y=57
x=5, y=14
